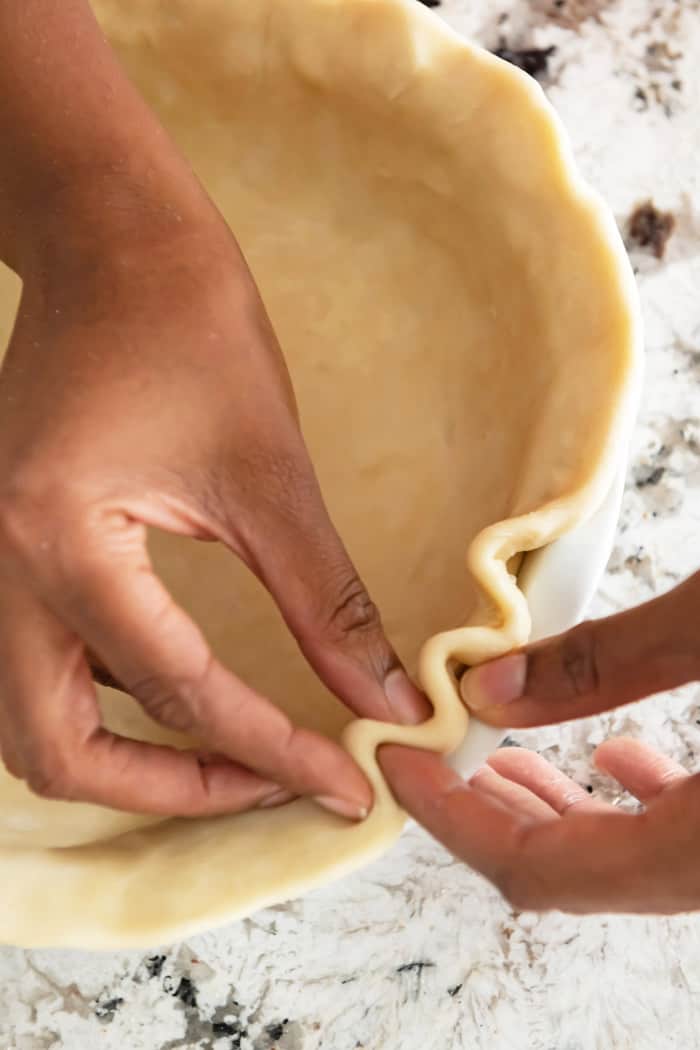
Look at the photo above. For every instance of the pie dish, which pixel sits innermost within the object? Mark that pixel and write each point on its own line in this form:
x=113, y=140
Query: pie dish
x=462, y=329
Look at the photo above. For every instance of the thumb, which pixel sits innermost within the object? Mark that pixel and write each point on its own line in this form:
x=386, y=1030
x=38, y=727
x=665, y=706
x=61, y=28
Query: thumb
x=595, y=667
x=299, y=556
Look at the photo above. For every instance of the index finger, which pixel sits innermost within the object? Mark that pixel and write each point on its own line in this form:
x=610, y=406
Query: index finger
x=584, y=862
x=51, y=734
x=121, y=610
x=596, y=666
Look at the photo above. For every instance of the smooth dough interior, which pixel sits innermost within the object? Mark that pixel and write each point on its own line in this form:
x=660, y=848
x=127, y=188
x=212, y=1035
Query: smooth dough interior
x=454, y=320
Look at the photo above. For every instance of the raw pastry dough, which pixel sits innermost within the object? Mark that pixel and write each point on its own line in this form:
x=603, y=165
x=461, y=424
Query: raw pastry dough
x=460, y=322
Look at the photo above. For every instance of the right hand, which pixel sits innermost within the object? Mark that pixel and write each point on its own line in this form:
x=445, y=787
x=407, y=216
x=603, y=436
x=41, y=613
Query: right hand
x=144, y=386
x=537, y=835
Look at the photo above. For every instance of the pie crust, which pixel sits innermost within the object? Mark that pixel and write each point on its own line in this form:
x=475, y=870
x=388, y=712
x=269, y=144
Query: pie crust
x=461, y=325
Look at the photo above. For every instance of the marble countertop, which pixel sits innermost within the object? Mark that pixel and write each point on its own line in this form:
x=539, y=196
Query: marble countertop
x=417, y=952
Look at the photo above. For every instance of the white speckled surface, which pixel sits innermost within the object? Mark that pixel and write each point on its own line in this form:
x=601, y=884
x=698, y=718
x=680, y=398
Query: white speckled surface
x=416, y=952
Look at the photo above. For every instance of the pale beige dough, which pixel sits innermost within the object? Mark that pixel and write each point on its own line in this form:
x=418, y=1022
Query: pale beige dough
x=461, y=329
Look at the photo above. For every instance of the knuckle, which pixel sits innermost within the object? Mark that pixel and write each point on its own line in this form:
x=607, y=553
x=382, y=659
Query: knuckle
x=175, y=701
x=579, y=661
x=669, y=778
x=87, y=547
x=288, y=742
x=351, y=611
x=350, y=621
x=573, y=801
x=162, y=699
x=51, y=778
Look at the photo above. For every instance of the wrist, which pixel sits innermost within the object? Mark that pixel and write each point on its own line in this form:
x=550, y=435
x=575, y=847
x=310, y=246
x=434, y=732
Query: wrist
x=84, y=162
x=109, y=218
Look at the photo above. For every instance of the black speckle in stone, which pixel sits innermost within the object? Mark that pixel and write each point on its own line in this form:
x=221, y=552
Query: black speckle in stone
x=106, y=1010
x=276, y=1031
x=154, y=965
x=186, y=992
x=532, y=60
x=642, y=100
x=647, y=227
x=224, y=1028
x=431, y=3
x=455, y=990
x=414, y=967
x=652, y=478
x=589, y=789
x=509, y=742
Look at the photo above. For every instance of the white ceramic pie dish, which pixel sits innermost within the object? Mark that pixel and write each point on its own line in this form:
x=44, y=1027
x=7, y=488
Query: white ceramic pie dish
x=558, y=581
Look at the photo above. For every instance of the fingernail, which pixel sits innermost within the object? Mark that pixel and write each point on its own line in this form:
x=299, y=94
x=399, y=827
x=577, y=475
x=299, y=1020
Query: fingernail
x=341, y=806
x=495, y=683
x=277, y=798
x=406, y=701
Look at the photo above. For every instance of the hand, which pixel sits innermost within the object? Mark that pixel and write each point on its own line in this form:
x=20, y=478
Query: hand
x=144, y=386
x=546, y=843
x=594, y=859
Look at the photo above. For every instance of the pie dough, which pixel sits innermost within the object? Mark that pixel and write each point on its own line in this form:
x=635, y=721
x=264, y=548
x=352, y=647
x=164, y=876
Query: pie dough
x=461, y=325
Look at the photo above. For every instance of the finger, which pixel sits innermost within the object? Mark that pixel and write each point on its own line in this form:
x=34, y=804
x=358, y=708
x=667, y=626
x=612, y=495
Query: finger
x=480, y=829
x=508, y=792
x=300, y=558
x=533, y=772
x=591, y=861
x=52, y=737
x=111, y=598
x=594, y=667
x=643, y=771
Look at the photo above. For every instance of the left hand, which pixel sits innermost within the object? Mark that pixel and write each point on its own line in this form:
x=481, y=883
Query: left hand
x=546, y=843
